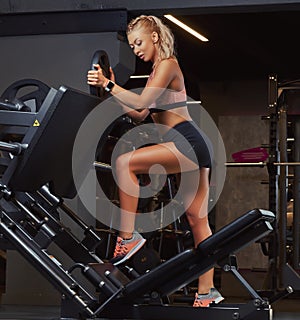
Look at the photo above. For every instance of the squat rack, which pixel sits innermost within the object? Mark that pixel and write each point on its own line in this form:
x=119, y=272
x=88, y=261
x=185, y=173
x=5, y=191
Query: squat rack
x=280, y=99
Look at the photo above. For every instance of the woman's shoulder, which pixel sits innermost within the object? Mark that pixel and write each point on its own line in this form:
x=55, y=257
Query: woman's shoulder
x=170, y=65
x=168, y=62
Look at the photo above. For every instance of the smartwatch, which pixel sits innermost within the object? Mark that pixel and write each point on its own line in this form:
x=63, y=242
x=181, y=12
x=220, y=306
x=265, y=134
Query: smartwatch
x=109, y=86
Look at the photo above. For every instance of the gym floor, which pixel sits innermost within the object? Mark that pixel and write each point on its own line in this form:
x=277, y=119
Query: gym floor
x=285, y=310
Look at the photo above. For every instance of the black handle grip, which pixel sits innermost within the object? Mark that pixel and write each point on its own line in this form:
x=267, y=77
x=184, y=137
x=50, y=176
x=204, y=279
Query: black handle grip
x=100, y=57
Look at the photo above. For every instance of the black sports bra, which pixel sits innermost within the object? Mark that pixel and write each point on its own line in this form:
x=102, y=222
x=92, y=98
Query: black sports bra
x=167, y=107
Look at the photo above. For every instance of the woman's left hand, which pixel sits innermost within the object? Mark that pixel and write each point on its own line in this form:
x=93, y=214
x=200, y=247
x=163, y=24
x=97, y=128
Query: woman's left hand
x=96, y=77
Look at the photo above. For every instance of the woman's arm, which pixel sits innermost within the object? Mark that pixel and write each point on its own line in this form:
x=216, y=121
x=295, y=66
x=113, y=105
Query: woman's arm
x=137, y=115
x=165, y=73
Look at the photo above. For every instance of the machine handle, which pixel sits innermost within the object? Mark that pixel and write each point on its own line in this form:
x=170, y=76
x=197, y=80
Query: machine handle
x=15, y=105
x=14, y=148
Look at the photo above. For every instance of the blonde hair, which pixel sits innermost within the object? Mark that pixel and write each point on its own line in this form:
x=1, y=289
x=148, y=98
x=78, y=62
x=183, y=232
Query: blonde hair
x=153, y=24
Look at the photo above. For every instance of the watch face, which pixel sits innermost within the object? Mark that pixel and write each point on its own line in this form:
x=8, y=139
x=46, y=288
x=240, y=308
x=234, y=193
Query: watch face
x=110, y=85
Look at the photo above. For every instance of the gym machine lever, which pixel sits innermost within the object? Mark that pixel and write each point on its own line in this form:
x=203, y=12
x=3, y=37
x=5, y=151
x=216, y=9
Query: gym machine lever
x=36, y=177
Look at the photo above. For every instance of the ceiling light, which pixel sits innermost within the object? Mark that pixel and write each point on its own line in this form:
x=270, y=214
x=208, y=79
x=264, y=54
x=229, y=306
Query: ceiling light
x=193, y=102
x=140, y=76
x=185, y=27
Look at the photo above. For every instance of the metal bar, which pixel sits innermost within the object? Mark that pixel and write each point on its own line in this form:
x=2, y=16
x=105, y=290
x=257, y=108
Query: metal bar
x=282, y=186
x=28, y=213
x=296, y=195
x=41, y=260
x=290, y=88
x=245, y=164
x=13, y=148
x=259, y=164
x=56, y=203
x=273, y=195
x=102, y=165
x=244, y=282
x=272, y=91
x=286, y=163
x=64, y=238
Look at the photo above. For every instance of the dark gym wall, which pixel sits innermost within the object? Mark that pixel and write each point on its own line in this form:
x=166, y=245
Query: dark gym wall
x=58, y=59
x=228, y=98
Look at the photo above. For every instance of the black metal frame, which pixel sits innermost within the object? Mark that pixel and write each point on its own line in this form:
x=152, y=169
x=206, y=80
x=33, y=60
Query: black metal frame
x=141, y=297
x=282, y=273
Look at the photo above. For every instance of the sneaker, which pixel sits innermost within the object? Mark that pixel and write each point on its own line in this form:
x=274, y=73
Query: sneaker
x=204, y=300
x=126, y=248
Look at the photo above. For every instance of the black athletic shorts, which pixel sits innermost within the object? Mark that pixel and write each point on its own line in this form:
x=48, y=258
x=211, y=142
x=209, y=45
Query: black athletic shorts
x=191, y=142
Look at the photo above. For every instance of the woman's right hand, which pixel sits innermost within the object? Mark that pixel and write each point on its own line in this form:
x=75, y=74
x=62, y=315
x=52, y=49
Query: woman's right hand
x=96, y=78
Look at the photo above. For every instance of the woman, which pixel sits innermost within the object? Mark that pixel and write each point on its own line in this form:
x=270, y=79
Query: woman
x=164, y=98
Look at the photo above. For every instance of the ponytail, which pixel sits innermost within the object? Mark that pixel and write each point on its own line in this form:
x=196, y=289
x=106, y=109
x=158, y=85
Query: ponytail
x=154, y=24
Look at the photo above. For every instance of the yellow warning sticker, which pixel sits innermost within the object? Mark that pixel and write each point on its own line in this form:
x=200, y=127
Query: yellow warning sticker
x=36, y=123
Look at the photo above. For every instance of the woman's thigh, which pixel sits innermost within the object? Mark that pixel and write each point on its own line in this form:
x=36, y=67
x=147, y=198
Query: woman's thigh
x=160, y=158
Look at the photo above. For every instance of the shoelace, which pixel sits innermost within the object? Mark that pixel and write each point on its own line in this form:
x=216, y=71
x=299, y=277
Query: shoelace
x=202, y=303
x=120, y=249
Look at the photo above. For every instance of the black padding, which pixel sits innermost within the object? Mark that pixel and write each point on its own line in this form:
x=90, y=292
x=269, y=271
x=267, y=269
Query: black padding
x=190, y=264
x=48, y=158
